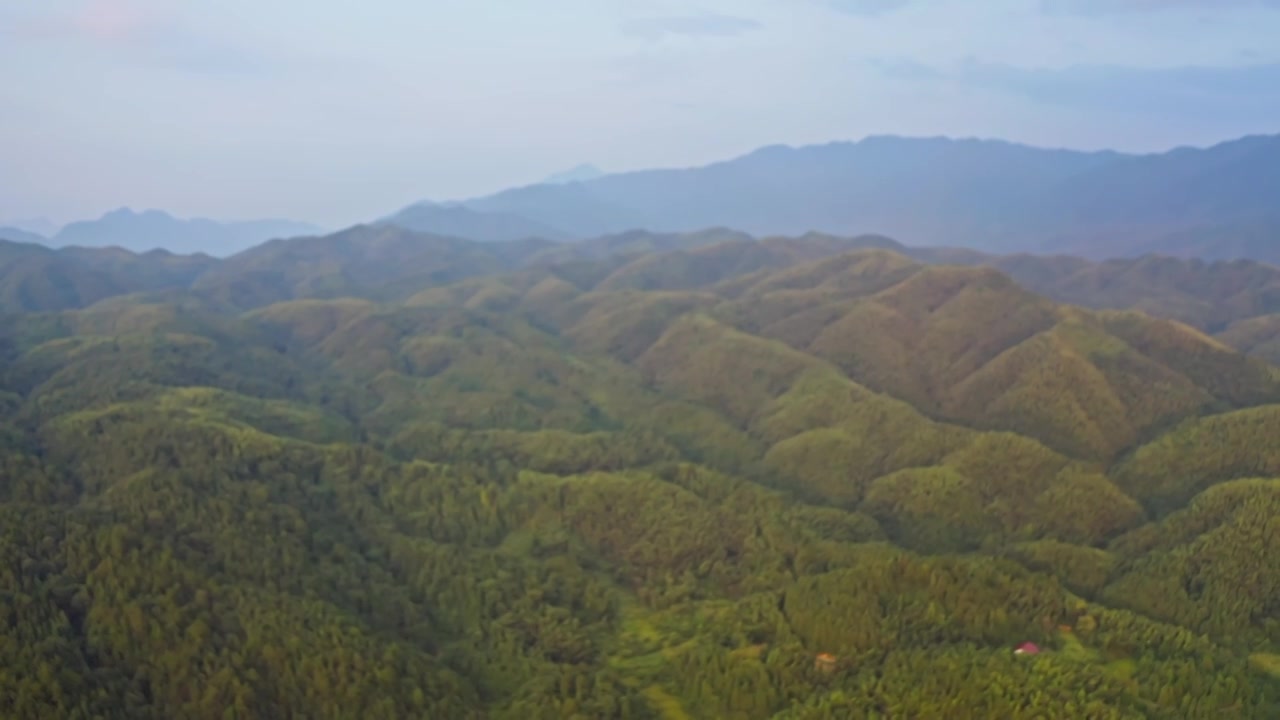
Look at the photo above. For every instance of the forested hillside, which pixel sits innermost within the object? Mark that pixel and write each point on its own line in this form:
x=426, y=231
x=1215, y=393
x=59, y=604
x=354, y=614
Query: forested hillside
x=382, y=474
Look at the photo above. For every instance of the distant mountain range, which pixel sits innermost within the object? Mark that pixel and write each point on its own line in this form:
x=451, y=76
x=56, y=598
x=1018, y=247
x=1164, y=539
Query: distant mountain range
x=16, y=234
x=1219, y=202
x=153, y=229
x=41, y=226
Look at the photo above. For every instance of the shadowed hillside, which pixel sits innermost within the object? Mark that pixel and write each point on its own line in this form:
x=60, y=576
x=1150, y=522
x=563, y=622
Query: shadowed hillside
x=366, y=260
x=1258, y=336
x=35, y=278
x=1207, y=295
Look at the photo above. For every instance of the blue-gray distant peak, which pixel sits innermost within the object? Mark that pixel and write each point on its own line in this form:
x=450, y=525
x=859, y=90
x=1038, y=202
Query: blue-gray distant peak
x=152, y=229
x=18, y=235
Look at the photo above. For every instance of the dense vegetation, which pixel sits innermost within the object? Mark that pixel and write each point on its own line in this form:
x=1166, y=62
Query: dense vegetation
x=386, y=475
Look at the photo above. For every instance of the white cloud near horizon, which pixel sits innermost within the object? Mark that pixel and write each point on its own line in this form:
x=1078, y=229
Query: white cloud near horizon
x=1113, y=7
x=689, y=25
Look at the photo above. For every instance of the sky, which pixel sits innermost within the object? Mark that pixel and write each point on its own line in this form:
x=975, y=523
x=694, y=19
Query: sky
x=337, y=112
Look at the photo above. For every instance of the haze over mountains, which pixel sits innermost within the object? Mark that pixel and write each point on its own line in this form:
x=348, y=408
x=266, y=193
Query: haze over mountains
x=154, y=229
x=1219, y=202
x=458, y=220
x=14, y=234
x=578, y=173
x=41, y=226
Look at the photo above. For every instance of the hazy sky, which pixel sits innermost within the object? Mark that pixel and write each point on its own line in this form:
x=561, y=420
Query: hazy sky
x=337, y=112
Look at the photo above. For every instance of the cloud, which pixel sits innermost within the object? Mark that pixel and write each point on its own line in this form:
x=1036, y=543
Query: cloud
x=108, y=20
x=868, y=7
x=193, y=52
x=902, y=69
x=654, y=29
x=141, y=33
x=1112, y=7
x=1246, y=91
x=1193, y=90
x=1069, y=7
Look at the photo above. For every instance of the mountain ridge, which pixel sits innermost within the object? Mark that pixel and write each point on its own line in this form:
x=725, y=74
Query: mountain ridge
x=462, y=221
x=1213, y=202
x=985, y=194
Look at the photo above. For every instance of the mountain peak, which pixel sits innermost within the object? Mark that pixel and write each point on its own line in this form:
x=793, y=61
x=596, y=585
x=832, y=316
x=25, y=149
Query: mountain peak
x=149, y=229
x=127, y=213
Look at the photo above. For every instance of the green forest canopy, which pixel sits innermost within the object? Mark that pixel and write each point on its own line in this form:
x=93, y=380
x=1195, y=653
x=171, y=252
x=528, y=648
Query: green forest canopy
x=644, y=483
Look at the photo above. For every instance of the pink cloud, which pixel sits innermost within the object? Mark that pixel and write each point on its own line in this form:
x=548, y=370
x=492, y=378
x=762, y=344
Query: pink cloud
x=106, y=22
x=109, y=20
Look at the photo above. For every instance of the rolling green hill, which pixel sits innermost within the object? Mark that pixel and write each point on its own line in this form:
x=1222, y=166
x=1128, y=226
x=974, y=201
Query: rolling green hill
x=34, y=277
x=1207, y=295
x=385, y=262
x=385, y=474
